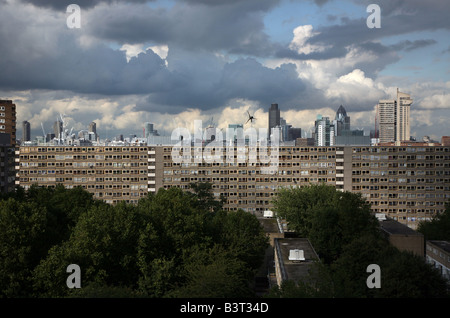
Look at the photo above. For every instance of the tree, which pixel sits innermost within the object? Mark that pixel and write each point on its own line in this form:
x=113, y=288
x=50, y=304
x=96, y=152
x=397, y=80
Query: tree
x=438, y=228
x=214, y=272
x=329, y=218
x=173, y=243
x=22, y=244
x=205, y=198
x=103, y=243
x=242, y=234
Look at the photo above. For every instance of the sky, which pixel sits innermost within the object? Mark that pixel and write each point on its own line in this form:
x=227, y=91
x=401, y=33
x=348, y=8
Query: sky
x=171, y=62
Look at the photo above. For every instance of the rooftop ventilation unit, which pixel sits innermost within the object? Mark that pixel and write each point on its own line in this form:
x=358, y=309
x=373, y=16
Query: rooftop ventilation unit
x=296, y=255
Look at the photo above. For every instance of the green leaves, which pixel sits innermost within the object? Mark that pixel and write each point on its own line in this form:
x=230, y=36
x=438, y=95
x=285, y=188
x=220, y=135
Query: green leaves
x=328, y=217
x=22, y=228
x=347, y=238
x=172, y=243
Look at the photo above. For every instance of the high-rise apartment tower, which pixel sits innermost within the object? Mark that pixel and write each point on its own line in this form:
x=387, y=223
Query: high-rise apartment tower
x=393, y=117
x=8, y=119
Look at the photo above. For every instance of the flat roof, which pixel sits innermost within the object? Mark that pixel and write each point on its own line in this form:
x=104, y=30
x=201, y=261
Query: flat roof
x=394, y=227
x=444, y=245
x=295, y=270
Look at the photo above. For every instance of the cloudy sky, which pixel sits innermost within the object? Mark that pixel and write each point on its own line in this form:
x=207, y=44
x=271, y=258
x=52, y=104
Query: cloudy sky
x=171, y=62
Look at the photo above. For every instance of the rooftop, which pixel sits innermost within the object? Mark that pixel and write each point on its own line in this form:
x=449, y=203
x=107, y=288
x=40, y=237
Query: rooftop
x=396, y=228
x=444, y=245
x=295, y=269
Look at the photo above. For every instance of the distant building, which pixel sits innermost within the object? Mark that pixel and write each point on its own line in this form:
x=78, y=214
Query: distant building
x=8, y=119
x=149, y=131
x=352, y=138
x=324, y=131
x=26, y=135
x=294, y=133
x=237, y=130
x=274, y=117
x=341, y=121
x=93, y=130
x=58, y=129
x=303, y=142
x=393, y=117
x=438, y=254
x=445, y=141
x=148, y=128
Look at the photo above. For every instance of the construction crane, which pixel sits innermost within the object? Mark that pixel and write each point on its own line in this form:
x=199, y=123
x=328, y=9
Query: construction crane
x=42, y=125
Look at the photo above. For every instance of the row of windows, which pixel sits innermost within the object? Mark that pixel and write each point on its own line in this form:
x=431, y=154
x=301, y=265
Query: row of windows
x=83, y=149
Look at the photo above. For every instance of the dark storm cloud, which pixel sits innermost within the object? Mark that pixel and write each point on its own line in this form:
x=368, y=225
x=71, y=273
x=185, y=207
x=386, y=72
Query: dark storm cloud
x=98, y=69
x=194, y=30
x=62, y=4
x=244, y=79
x=236, y=27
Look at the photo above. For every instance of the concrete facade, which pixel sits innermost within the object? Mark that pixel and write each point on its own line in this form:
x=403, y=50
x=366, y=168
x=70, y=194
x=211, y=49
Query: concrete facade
x=408, y=184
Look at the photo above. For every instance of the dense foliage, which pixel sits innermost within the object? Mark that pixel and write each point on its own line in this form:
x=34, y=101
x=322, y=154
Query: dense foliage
x=438, y=228
x=347, y=239
x=171, y=244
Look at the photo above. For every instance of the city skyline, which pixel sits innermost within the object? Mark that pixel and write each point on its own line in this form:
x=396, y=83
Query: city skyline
x=172, y=62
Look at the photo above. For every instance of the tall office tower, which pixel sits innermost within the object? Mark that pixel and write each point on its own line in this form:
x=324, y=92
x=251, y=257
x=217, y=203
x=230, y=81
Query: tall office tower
x=8, y=119
x=274, y=116
x=394, y=118
x=295, y=133
x=387, y=120
x=92, y=131
x=342, y=121
x=58, y=129
x=403, y=130
x=93, y=127
x=26, y=136
x=148, y=129
x=324, y=132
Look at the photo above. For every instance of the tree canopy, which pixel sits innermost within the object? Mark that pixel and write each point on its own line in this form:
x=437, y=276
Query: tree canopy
x=438, y=228
x=347, y=238
x=173, y=243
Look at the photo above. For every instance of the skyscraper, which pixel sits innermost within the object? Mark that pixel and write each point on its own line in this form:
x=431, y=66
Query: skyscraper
x=394, y=118
x=387, y=120
x=93, y=127
x=341, y=121
x=148, y=129
x=58, y=129
x=92, y=131
x=324, y=132
x=274, y=117
x=404, y=102
x=26, y=136
x=8, y=119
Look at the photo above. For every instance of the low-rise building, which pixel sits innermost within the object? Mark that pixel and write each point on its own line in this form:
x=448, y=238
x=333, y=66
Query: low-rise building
x=293, y=258
x=438, y=254
x=403, y=237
